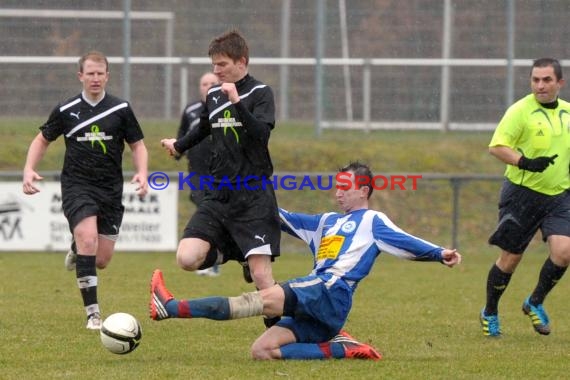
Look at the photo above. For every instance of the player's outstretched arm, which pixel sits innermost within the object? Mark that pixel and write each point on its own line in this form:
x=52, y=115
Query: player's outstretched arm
x=450, y=257
x=140, y=161
x=36, y=152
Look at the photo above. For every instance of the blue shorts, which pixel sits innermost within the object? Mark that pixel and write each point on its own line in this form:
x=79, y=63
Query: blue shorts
x=323, y=304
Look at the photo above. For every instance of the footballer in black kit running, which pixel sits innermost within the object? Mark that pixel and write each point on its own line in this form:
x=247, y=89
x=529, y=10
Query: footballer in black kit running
x=239, y=115
x=92, y=176
x=95, y=126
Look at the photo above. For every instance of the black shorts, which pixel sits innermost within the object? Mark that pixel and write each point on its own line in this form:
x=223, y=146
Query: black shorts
x=238, y=222
x=522, y=212
x=81, y=203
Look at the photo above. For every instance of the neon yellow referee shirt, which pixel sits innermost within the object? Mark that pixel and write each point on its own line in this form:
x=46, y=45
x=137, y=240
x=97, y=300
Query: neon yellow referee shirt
x=535, y=131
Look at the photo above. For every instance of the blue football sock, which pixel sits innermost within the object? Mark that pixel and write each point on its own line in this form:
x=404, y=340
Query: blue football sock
x=305, y=351
x=217, y=308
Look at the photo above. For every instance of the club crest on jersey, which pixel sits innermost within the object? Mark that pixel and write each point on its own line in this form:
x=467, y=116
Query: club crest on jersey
x=348, y=227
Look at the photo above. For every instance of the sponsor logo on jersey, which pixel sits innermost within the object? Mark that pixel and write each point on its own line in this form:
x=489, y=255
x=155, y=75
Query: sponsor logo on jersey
x=97, y=138
x=228, y=122
x=330, y=247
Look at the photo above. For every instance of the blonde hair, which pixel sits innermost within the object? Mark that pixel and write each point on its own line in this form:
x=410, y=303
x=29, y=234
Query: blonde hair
x=95, y=56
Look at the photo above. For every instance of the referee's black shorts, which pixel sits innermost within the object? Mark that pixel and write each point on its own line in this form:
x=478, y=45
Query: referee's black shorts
x=522, y=212
x=246, y=219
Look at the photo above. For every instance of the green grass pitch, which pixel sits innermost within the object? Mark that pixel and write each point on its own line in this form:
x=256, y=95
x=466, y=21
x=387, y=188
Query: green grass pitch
x=421, y=316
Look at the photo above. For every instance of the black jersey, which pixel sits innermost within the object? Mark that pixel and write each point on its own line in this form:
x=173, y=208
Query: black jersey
x=240, y=132
x=95, y=140
x=199, y=155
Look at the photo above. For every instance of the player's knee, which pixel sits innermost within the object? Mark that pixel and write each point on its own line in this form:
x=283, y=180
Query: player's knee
x=260, y=351
x=192, y=254
x=88, y=245
x=187, y=261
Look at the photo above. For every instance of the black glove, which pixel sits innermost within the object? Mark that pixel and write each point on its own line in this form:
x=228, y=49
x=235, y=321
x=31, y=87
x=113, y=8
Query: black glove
x=538, y=164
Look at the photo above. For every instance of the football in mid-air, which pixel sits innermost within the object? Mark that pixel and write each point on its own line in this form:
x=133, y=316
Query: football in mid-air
x=121, y=333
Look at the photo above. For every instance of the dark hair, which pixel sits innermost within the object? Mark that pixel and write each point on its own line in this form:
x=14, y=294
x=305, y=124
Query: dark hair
x=230, y=43
x=545, y=62
x=95, y=56
x=362, y=170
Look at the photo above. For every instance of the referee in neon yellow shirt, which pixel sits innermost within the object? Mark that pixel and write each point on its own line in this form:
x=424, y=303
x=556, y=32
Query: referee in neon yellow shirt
x=533, y=139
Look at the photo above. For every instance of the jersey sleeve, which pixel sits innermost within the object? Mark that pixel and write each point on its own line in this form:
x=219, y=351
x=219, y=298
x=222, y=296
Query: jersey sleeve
x=393, y=240
x=195, y=135
x=53, y=127
x=508, y=130
x=301, y=226
x=260, y=119
x=133, y=130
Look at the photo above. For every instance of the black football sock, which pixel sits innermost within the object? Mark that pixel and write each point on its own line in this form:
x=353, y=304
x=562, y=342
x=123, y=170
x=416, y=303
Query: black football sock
x=497, y=282
x=86, y=274
x=549, y=276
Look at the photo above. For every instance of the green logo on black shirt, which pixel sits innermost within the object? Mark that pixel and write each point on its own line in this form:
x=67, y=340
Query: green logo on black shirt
x=228, y=116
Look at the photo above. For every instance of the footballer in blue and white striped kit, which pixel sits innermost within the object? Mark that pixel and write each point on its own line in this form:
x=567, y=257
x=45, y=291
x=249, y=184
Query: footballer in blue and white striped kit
x=314, y=308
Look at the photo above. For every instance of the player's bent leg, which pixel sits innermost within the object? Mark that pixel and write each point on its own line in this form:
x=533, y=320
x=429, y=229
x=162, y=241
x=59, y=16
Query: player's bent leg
x=267, y=346
x=163, y=305
x=340, y=347
x=261, y=274
x=105, y=250
x=260, y=270
x=85, y=234
x=192, y=253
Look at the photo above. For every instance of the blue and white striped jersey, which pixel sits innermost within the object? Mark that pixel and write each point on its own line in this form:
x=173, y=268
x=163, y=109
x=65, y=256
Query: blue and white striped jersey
x=346, y=245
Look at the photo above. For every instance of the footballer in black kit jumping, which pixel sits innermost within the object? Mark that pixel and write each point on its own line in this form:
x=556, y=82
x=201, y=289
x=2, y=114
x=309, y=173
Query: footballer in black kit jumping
x=239, y=115
x=95, y=126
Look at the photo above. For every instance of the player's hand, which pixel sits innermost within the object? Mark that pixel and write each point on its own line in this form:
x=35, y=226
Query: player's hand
x=28, y=182
x=538, y=164
x=142, y=184
x=450, y=257
x=168, y=144
x=231, y=91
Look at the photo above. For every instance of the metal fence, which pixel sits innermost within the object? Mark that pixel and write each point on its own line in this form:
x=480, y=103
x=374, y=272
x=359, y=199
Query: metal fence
x=444, y=64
